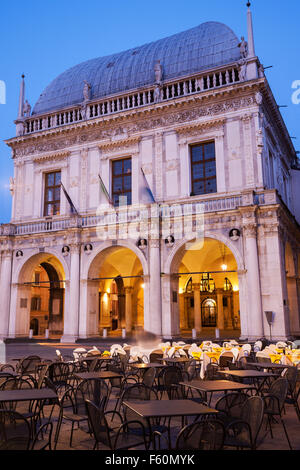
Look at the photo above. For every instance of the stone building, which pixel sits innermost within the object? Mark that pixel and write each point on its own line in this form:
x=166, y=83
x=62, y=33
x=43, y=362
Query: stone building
x=155, y=189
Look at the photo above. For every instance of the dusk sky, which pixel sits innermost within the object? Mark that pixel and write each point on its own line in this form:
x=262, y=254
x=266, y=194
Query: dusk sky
x=44, y=38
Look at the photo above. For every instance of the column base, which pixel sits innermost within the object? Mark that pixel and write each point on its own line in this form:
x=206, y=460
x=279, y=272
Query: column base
x=68, y=339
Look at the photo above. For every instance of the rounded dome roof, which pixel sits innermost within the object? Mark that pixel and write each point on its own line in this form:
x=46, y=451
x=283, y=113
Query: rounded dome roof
x=206, y=46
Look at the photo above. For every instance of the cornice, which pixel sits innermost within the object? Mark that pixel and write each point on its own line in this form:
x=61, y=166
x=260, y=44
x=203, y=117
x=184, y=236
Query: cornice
x=50, y=156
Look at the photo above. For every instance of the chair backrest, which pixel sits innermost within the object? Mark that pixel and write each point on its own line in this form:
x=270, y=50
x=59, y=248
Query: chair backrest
x=226, y=358
x=279, y=389
x=136, y=392
x=7, y=368
x=14, y=431
x=98, y=424
x=202, y=435
x=155, y=355
x=291, y=374
x=252, y=413
x=231, y=404
x=149, y=376
x=95, y=390
x=60, y=372
x=172, y=375
x=28, y=364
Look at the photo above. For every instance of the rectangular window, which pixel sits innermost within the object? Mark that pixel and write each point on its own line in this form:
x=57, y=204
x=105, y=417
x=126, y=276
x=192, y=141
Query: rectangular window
x=203, y=169
x=52, y=193
x=121, y=182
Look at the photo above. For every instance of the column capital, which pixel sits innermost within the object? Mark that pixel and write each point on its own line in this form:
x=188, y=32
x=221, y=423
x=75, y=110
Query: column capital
x=250, y=230
x=128, y=289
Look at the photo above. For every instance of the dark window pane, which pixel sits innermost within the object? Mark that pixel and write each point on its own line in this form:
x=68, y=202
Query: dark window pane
x=197, y=171
x=57, y=194
x=57, y=178
x=199, y=187
x=117, y=184
x=127, y=166
x=196, y=154
x=117, y=167
x=50, y=179
x=50, y=195
x=127, y=183
x=209, y=150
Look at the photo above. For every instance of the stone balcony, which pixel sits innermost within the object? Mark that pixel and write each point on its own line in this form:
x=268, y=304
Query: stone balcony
x=107, y=218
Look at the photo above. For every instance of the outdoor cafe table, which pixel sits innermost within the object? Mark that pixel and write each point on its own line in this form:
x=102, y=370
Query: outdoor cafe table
x=176, y=360
x=211, y=386
x=269, y=366
x=147, y=365
x=259, y=377
x=169, y=409
x=105, y=374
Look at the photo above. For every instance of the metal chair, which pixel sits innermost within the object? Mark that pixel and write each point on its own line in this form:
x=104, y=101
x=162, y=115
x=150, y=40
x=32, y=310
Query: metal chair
x=274, y=404
x=201, y=435
x=242, y=432
x=291, y=374
x=120, y=438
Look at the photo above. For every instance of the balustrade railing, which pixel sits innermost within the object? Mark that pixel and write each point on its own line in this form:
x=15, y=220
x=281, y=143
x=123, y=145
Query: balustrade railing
x=133, y=100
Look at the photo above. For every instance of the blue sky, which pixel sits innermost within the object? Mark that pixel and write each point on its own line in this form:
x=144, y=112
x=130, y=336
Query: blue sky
x=43, y=38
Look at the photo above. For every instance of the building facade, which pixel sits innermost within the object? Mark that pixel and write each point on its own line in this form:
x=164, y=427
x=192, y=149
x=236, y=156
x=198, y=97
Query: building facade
x=154, y=190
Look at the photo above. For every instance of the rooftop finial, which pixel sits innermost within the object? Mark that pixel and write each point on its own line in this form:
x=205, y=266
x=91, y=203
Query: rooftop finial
x=251, y=49
x=21, y=97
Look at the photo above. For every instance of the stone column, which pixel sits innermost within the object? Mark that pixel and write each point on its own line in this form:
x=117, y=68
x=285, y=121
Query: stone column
x=5, y=286
x=197, y=308
x=153, y=323
x=220, y=322
x=255, y=323
x=71, y=313
x=128, y=308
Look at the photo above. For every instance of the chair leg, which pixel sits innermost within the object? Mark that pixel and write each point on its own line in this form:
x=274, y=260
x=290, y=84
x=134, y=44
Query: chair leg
x=286, y=434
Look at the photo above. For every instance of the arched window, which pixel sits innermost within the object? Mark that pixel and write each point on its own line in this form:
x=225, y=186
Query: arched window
x=207, y=284
x=189, y=286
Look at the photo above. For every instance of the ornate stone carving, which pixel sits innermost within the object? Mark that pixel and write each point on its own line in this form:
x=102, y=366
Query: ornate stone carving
x=27, y=109
x=49, y=144
x=243, y=45
x=158, y=72
x=250, y=230
x=86, y=91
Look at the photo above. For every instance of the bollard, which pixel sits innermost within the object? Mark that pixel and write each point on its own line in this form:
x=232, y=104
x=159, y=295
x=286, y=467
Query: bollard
x=217, y=333
x=46, y=333
x=194, y=333
x=123, y=333
x=104, y=333
x=30, y=334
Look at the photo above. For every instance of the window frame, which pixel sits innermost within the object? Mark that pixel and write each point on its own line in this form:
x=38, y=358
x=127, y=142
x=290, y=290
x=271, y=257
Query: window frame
x=53, y=187
x=123, y=174
x=203, y=161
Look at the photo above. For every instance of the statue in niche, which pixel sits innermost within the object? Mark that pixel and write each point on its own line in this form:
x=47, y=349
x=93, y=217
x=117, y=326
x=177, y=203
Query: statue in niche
x=158, y=72
x=169, y=241
x=86, y=91
x=88, y=248
x=65, y=250
x=142, y=243
x=234, y=234
x=27, y=109
x=243, y=45
x=19, y=254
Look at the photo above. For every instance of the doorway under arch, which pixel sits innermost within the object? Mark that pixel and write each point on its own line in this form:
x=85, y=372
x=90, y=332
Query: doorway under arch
x=40, y=300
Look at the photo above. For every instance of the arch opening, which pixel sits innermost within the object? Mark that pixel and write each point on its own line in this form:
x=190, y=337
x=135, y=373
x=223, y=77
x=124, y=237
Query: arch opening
x=41, y=295
x=116, y=282
x=206, y=278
